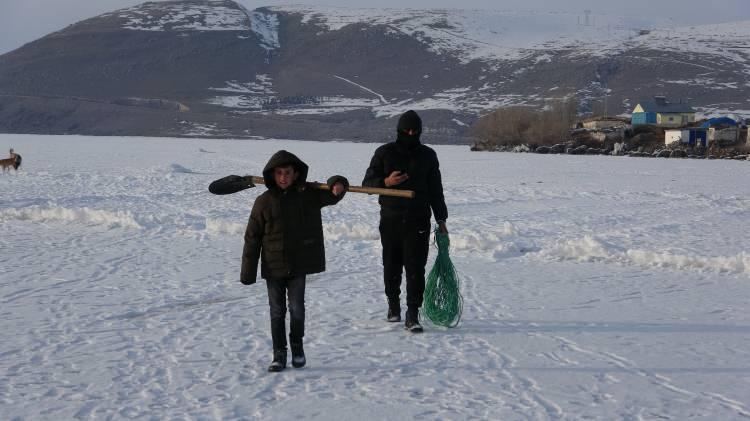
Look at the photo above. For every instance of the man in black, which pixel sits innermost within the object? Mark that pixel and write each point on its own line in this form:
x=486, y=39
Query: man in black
x=407, y=164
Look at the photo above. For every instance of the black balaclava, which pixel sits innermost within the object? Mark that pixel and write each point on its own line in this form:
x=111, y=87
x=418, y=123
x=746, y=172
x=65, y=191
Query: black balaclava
x=409, y=121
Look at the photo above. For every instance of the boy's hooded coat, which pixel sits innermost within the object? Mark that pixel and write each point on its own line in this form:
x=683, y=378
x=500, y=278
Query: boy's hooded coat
x=285, y=229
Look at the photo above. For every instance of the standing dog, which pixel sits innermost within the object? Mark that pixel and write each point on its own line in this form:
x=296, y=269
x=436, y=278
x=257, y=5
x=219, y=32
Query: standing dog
x=14, y=161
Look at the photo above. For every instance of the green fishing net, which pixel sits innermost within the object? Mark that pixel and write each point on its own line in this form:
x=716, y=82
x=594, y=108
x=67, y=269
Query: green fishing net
x=443, y=303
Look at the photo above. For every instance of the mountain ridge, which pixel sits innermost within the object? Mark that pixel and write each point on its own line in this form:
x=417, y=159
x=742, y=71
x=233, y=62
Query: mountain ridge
x=322, y=73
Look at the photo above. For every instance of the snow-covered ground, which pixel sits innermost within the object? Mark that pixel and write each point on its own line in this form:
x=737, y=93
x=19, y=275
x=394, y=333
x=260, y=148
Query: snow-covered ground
x=595, y=288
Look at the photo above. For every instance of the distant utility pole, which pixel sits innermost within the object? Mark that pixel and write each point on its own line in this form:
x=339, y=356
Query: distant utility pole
x=588, y=15
x=606, y=94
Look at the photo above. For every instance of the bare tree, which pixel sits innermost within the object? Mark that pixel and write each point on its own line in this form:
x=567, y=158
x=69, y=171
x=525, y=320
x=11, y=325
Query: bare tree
x=517, y=125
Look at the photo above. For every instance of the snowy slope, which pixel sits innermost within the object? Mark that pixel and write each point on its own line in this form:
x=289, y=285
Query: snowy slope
x=209, y=15
x=503, y=37
x=728, y=40
x=595, y=288
x=515, y=34
x=487, y=34
x=468, y=34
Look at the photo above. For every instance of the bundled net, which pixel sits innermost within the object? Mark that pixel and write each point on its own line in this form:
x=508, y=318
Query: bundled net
x=443, y=303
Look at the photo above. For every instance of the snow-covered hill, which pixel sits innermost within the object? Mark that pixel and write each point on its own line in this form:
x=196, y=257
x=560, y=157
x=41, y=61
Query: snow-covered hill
x=489, y=34
x=595, y=288
x=249, y=70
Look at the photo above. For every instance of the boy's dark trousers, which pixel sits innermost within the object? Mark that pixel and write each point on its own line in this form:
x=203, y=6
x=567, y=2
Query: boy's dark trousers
x=405, y=245
x=278, y=289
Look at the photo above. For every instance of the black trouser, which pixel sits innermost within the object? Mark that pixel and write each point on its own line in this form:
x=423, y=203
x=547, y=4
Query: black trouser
x=405, y=245
x=278, y=289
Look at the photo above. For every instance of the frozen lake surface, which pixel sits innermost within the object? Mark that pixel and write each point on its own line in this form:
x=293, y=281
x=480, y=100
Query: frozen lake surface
x=595, y=288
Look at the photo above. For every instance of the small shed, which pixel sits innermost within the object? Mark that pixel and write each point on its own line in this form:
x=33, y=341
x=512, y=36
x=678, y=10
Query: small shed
x=693, y=136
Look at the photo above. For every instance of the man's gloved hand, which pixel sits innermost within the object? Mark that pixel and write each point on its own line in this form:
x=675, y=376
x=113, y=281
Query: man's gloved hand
x=246, y=281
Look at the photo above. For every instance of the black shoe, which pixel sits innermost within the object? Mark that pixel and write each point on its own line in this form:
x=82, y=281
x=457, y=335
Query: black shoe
x=279, y=360
x=412, y=320
x=298, y=355
x=394, y=310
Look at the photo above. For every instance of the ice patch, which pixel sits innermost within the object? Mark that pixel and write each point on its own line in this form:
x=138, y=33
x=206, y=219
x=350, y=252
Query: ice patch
x=84, y=216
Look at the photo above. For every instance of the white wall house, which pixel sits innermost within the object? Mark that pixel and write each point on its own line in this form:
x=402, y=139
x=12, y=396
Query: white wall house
x=691, y=136
x=729, y=134
x=671, y=136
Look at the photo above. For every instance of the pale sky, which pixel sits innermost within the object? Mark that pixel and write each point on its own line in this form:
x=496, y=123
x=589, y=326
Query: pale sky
x=22, y=21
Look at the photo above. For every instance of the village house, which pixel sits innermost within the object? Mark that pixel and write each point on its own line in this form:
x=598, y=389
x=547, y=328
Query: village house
x=721, y=129
x=662, y=113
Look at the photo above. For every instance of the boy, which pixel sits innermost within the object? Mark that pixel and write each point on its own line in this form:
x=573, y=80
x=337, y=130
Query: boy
x=285, y=232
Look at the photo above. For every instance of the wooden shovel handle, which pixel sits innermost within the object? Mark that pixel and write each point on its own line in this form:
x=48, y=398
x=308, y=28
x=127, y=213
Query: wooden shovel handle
x=408, y=194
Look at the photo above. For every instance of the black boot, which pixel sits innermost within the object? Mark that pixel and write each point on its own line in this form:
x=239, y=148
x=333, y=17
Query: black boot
x=279, y=360
x=298, y=355
x=394, y=310
x=412, y=320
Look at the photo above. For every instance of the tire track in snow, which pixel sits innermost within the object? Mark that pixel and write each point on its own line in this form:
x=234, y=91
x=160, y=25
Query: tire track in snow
x=525, y=389
x=657, y=379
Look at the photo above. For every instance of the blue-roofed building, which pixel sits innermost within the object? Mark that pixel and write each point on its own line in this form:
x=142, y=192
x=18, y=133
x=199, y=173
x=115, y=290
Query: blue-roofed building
x=722, y=129
x=719, y=121
x=662, y=113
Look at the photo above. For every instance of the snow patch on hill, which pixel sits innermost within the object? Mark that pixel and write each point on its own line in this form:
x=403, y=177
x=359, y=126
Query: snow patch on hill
x=266, y=25
x=178, y=16
x=488, y=34
x=729, y=40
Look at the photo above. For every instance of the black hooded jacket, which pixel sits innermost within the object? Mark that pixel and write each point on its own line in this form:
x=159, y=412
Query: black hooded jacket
x=285, y=229
x=408, y=155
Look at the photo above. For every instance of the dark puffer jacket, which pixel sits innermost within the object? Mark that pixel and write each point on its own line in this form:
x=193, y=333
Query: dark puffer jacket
x=420, y=162
x=285, y=229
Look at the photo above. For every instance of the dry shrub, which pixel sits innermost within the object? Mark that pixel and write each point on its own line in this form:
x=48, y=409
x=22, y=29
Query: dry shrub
x=519, y=125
